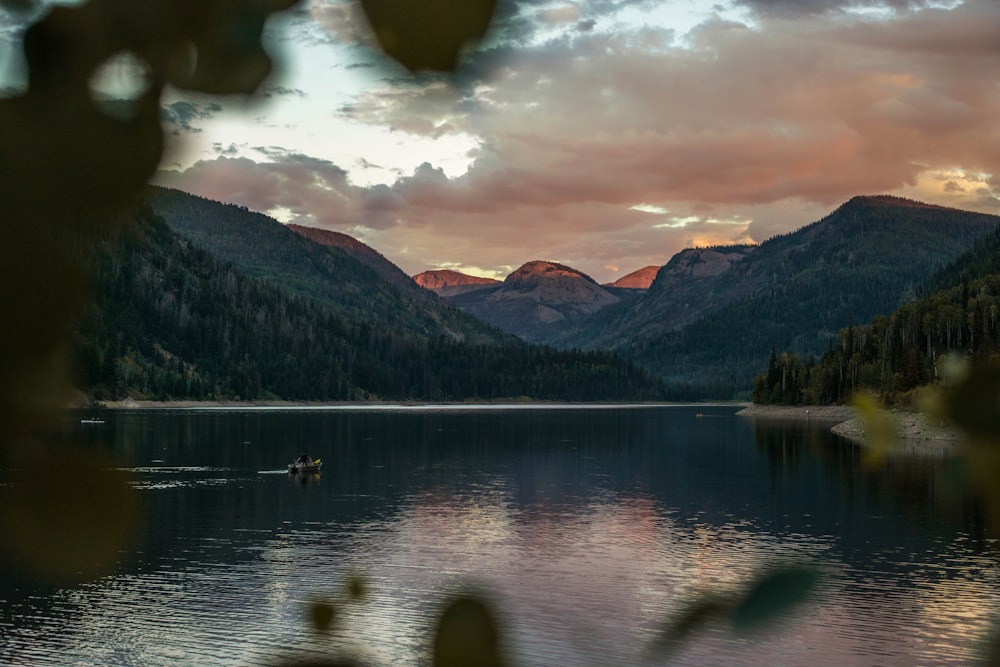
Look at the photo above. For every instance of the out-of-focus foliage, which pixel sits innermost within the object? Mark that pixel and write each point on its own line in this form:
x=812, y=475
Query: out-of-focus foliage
x=467, y=633
x=428, y=34
x=881, y=431
x=325, y=613
x=69, y=168
x=969, y=400
x=72, y=162
x=69, y=162
x=767, y=598
x=66, y=515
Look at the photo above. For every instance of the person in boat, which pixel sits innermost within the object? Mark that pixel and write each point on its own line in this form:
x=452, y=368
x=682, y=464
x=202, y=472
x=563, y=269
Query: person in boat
x=304, y=460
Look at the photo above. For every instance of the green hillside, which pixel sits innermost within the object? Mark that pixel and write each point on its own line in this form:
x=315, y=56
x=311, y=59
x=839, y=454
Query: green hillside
x=261, y=247
x=795, y=292
x=170, y=321
x=959, y=312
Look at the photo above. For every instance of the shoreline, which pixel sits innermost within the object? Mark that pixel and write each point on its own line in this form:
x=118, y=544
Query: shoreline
x=134, y=404
x=916, y=435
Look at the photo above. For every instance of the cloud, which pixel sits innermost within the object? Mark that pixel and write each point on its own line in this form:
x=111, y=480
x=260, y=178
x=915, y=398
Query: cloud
x=770, y=124
x=812, y=7
x=178, y=117
x=746, y=116
x=308, y=189
x=281, y=91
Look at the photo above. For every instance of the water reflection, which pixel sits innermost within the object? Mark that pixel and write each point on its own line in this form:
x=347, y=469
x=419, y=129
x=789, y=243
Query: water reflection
x=588, y=527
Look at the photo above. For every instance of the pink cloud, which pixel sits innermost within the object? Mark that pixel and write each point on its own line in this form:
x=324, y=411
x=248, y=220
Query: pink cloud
x=774, y=125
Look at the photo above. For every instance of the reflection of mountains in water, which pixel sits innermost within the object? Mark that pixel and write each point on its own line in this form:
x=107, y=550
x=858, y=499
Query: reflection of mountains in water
x=600, y=514
x=716, y=469
x=899, y=491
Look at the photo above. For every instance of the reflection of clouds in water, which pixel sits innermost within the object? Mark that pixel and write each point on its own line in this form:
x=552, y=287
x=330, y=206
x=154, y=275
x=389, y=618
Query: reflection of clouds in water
x=589, y=585
x=577, y=584
x=583, y=584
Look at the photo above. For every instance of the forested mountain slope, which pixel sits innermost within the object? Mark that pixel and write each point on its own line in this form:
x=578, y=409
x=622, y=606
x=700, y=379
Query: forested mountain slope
x=683, y=290
x=366, y=255
x=959, y=312
x=170, y=321
x=798, y=290
x=261, y=247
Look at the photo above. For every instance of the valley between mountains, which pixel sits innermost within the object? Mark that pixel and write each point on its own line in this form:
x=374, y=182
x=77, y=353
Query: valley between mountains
x=201, y=299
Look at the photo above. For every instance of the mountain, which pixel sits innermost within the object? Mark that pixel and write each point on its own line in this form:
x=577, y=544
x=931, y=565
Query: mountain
x=363, y=253
x=900, y=352
x=684, y=289
x=446, y=283
x=537, y=301
x=640, y=279
x=261, y=247
x=795, y=292
x=171, y=321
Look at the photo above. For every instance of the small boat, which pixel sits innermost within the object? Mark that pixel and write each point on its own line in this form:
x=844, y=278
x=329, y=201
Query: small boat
x=92, y=420
x=305, y=465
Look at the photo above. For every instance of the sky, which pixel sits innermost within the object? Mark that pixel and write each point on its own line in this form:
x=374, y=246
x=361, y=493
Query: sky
x=605, y=134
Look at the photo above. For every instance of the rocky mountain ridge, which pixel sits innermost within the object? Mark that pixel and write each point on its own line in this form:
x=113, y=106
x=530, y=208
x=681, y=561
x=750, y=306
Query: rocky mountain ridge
x=445, y=282
x=640, y=279
x=538, y=300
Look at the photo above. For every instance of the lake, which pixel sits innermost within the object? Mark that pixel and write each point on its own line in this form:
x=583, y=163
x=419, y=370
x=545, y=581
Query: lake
x=586, y=527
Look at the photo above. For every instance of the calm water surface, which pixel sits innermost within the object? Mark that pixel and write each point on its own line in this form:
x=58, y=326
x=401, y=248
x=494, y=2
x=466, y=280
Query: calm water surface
x=588, y=527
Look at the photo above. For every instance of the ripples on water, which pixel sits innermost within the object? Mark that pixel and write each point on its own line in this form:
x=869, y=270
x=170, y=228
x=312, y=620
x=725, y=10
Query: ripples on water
x=586, y=530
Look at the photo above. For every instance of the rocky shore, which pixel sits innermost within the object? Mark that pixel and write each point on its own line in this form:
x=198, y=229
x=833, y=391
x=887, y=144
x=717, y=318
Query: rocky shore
x=917, y=434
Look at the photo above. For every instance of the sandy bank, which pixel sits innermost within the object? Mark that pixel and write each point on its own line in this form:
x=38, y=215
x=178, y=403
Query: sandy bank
x=837, y=413
x=917, y=435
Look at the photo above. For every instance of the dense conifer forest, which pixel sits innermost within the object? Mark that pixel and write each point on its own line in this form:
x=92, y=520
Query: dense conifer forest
x=800, y=289
x=170, y=321
x=261, y=247
x=895, y=354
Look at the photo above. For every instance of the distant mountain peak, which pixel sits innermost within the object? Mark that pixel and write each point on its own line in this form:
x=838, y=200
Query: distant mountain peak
x=447, y=283
x=640, y=279
x=530, y=273
x=440, y=278
x=888, y=200
x=537, y=299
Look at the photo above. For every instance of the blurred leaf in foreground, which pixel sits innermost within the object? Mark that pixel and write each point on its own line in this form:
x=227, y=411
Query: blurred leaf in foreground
x=972, y=402
x=66, y=518
x=428, y=34
x=765, y=600
x=772, y=596
x=322, y=615
x=688, y=620
x=880, y=428
x=467, y=635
